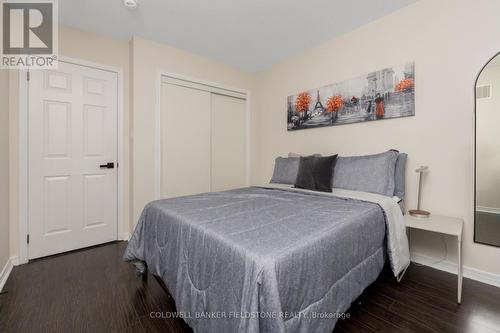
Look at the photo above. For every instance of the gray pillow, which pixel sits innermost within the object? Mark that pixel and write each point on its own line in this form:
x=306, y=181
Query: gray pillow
x=400, y=175
x=285, y=170
x=370, y=173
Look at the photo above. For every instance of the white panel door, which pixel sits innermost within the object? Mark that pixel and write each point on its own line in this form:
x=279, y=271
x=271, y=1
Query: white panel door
x=229, y=167
x=185, y=141
x=72, y=132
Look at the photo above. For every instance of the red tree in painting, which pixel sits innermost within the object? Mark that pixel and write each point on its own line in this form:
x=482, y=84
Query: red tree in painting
x=333, y=104
x=404, y=85
x=302, y=103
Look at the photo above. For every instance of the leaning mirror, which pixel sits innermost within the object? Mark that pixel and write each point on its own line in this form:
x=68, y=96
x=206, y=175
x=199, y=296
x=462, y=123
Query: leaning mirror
x=487, y=155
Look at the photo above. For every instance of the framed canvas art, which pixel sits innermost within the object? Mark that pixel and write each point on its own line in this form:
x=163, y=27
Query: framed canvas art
x=384, y=94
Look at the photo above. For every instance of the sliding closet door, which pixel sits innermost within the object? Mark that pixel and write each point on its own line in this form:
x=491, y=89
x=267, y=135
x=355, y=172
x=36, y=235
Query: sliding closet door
x=228, y=143
x=185, y=141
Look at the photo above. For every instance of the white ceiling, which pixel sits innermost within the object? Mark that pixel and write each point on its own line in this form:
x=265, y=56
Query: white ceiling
x=248, y=34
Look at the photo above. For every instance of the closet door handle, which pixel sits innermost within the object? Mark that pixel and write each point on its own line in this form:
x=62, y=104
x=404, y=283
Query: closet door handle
x=109, y=165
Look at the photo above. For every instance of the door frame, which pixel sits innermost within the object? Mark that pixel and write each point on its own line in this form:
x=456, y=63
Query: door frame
x=211, y=87
x=122, y=232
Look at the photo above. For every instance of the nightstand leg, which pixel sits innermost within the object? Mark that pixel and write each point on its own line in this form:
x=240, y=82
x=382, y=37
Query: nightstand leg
x=459, y=291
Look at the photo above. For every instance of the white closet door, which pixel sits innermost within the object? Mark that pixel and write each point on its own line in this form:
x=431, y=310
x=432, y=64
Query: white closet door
x=228, y=143
x=185, y=141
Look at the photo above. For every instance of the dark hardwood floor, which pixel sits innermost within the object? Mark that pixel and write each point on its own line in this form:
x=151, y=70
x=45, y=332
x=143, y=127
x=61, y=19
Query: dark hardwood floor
x=92, y=290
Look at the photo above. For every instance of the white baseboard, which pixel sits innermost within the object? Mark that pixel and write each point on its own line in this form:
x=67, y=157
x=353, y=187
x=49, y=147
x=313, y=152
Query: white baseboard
x=491, y=210
x=451, y=267
x=4, y=275
x=125, y=236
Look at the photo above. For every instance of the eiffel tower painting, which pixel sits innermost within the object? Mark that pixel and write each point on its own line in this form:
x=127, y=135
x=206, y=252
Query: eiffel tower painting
x=382, y=94
x=318, y=108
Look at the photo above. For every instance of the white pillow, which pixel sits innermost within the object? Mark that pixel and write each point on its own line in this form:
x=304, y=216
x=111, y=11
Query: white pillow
x=299, y=155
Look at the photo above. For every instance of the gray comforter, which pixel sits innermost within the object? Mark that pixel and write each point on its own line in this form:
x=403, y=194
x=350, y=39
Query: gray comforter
x=261, y=259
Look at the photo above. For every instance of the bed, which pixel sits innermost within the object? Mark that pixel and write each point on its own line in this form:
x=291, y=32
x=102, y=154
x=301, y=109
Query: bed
x=271, y=258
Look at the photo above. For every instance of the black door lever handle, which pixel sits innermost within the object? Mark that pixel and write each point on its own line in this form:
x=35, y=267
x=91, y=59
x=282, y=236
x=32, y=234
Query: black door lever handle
x=109, y=165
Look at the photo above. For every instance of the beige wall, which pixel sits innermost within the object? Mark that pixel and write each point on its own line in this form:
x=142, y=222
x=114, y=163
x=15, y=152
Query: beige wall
x=488, y=142
x=149, y=57
x=13, y=163
x=449, y=40
x=89, y=47
x=4, y=168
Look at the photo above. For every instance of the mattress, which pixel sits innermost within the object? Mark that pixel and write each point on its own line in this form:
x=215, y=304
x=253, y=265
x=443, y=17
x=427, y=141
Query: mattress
x=261, y=259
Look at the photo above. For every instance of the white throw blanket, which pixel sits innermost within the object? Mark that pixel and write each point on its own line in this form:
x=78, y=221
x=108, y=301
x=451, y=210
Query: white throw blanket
x=397, y=240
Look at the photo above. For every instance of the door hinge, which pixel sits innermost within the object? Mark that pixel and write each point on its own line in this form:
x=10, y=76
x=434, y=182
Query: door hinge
x=28, y=238
x=27, y=76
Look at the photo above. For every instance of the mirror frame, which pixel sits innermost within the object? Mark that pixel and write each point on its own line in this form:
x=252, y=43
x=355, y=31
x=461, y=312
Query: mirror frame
x=475, y=148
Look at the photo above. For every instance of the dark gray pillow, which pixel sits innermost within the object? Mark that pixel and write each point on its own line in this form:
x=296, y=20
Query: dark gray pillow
x=315, y=173
x=285, y=170
x=400, y=176
x=370, y=173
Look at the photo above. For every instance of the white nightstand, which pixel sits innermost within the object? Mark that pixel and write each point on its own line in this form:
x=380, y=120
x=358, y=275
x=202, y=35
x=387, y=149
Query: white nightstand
x=444, y=225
